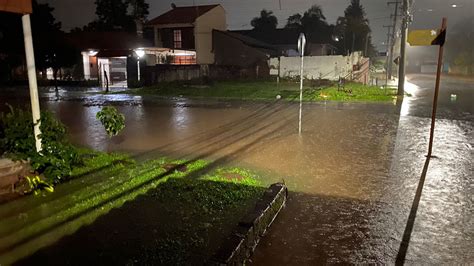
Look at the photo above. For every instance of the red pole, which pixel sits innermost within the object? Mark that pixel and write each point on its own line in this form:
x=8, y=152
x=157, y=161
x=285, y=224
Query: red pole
x=438, y=78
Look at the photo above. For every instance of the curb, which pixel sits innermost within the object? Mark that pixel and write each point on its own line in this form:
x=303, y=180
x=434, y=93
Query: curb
x=239, y=246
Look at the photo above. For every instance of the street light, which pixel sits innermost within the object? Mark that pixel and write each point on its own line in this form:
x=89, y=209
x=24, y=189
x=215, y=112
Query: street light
x=140, y=53
x=93, y=52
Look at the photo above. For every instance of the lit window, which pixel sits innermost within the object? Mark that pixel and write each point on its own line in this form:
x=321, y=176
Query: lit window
x=177, y=39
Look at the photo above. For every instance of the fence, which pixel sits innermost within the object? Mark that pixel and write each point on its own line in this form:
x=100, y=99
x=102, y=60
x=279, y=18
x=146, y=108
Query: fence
x=168, y=73
x=332, y=67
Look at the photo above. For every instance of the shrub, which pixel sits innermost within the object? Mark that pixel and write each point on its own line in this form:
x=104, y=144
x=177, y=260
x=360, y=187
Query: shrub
x=111, y=119
x=17, y=140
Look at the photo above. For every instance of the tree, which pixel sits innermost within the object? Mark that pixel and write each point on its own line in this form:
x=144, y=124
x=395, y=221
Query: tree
x=117, y=15
x=11, y=45
x=294, y=21
x=315, y=26
x=355, y=29
x=51, y=48
x=139, y=9
x=267, y=22
x=459, y=48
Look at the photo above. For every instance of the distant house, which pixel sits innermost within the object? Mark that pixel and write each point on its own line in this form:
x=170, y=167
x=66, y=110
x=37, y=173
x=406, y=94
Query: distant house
x=108, y=53
x=187, y=33
x=286, y=41
x=234, y=49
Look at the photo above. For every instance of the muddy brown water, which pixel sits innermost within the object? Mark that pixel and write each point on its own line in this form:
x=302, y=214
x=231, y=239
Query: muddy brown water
x=352, y=173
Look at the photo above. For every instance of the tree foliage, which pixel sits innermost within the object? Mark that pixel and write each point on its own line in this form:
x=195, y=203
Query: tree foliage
x=294, y=21
x=111, y=119
x=459, y=48
x=267, y=22
x=353, y=29
x=50, y=46
x=117, y=15
x=315, y=26
x=11, y=45
x=139, y=9
x=57, y=157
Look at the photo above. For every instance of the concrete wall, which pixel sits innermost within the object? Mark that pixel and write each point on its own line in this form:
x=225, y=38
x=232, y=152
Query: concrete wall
x=167, y=73
x=326, y=67
x=213, y=19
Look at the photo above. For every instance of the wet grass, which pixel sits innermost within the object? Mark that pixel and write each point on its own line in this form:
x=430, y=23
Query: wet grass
x=211, y=202
x=94, y=161
x=268, y=90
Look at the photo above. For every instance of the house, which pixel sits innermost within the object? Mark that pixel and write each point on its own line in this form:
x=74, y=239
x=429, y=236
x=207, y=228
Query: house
x=286, y=40
x=233, y=49
x=109, y=55
x=187, y=33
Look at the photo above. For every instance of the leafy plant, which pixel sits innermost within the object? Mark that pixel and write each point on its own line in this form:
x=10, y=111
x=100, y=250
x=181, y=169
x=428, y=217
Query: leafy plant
x=17, y=140
x=112, y=120
x=38, y=185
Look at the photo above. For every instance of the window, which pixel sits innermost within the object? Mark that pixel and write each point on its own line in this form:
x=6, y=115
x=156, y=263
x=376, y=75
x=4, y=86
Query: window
x=177, y=39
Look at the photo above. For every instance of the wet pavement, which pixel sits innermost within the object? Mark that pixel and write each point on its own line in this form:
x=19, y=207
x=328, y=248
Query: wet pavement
x=352, y=174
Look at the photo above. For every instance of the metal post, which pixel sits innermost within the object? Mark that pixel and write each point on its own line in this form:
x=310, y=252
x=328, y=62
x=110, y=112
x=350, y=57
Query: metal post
x=403, y=45
x=138, y=68
x=301, y=94
x=301, y=47
x=435, y=98
x=30, y=63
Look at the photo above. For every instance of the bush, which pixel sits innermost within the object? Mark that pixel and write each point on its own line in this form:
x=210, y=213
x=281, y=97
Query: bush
x=17, y=140
x=111, y=119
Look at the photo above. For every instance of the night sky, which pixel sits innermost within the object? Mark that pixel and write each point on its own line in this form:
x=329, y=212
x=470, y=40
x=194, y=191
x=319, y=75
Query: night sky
x=427, y=13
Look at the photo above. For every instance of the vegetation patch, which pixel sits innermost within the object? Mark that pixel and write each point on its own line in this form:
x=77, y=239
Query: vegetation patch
x=314, y=90
x=172, y=213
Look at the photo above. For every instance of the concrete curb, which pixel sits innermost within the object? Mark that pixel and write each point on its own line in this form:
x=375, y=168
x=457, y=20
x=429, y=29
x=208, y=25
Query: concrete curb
x=239, y=246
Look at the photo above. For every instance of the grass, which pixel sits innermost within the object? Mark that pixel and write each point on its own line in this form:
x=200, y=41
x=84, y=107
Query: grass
x=268, y=90
x=190, y=212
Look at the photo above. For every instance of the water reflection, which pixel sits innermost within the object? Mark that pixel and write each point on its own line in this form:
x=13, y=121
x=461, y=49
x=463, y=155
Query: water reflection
x=352, y=175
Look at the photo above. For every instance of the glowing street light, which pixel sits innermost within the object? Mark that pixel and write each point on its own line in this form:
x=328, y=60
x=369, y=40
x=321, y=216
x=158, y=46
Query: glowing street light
x=93, y=52
x=140, y=53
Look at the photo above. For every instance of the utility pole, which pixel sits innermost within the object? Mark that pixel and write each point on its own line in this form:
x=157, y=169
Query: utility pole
x=366, y=44
x=392, y=43
x=403, y=45
x=387, y=61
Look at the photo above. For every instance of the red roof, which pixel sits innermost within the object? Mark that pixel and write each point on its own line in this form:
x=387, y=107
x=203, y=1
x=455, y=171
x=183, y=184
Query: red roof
x=184, y=14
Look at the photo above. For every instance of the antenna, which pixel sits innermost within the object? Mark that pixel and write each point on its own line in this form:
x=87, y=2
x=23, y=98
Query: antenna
x=173, y=5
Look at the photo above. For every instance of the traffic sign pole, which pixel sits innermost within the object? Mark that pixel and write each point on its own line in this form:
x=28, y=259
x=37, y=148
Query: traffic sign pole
x=301, y=46
x=436, y=92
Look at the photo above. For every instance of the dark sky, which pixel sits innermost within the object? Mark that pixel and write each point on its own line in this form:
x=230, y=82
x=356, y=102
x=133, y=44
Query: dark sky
x=427, y=13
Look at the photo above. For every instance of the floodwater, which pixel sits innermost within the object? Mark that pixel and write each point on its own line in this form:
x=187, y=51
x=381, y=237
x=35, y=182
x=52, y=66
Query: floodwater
x=352, y=174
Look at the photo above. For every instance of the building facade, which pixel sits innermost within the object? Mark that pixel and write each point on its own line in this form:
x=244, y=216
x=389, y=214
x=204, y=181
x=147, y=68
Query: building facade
x=187, y=33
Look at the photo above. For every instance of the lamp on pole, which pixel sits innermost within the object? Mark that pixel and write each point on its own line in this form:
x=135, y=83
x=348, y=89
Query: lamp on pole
x=140, y=53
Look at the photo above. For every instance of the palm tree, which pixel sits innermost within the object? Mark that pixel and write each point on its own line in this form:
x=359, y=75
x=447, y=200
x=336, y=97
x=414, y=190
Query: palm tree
x=314, y=25
x=355, y=26
x=265, y=23
x=294, y=21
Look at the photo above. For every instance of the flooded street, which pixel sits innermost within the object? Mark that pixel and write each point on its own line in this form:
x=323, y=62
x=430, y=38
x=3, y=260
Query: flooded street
x=352, y=174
